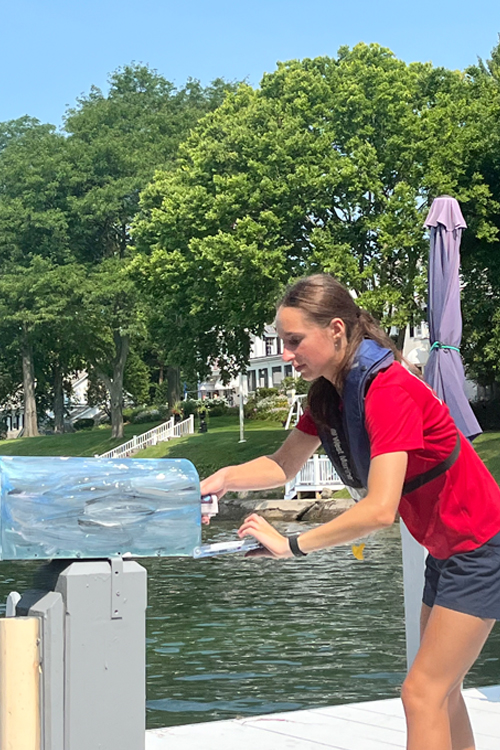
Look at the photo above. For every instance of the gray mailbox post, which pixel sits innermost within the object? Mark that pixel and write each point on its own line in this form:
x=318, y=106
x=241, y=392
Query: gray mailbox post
x=92, y=655
x=89, y=516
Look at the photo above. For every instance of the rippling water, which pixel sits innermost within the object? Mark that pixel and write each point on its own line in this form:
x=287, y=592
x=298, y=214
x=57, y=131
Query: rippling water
x=232, y=637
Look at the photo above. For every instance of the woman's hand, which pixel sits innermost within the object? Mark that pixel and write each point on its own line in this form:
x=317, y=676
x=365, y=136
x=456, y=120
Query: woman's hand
x=267, y=535
x=214, y=485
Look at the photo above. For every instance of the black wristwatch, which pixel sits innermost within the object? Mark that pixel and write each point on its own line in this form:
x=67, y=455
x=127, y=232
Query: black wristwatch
x=293, y=541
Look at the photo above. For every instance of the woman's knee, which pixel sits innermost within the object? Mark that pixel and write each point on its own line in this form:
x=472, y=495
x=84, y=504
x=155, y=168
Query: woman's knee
x=413, y=694
x=419, y=693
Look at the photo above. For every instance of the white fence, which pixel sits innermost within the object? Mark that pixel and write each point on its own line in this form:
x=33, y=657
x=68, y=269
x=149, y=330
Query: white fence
x=316, y=475
x=160, y=434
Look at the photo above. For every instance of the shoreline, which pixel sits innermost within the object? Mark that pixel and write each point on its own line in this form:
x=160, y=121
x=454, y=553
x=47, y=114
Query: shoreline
x=278, y=509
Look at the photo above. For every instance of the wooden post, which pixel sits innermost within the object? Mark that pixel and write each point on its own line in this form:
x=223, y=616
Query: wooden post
x=19, y=684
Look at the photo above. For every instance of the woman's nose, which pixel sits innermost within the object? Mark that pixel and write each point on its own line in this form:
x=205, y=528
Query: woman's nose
x=287, y=355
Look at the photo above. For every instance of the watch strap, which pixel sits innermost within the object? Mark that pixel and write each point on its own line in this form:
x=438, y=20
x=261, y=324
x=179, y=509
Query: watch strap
x=293, y=541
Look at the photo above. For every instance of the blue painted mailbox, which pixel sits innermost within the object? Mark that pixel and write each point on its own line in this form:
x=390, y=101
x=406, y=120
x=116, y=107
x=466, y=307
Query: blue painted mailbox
x=53, y=507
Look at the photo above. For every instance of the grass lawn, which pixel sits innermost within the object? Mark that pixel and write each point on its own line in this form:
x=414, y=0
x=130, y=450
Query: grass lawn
x=488, y=447
x=220, y=446
x=83, y=443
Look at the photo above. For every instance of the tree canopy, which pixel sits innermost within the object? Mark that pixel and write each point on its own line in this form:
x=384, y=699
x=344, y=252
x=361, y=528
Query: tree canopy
x=327, y=167
x=70, y=198
x=161, y=225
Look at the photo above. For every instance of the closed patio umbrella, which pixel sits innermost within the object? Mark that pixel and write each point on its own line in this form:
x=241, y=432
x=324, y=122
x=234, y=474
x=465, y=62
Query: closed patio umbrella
x=444, y=371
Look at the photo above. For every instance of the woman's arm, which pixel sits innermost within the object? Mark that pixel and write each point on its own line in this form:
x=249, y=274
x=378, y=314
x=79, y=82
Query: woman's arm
x=264, y=472
x=376, y=510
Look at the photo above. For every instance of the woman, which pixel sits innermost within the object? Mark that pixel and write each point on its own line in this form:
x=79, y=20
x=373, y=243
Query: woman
x=394, y=442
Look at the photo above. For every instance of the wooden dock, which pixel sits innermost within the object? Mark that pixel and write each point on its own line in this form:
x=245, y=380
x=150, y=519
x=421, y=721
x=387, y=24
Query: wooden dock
x=374, y=725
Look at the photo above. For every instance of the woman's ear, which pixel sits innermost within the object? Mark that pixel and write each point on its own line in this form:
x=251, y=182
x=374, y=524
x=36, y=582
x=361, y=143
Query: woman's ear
x=337, y=327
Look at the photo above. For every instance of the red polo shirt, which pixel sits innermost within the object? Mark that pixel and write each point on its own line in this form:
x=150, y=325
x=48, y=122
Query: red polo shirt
x=460, y=510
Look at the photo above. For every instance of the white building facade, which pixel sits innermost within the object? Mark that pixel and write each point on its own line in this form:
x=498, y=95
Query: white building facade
x=265, y=369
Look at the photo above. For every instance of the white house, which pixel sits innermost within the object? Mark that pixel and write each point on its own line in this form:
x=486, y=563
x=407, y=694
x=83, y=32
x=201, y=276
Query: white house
x=416, y=345
x=265, y=369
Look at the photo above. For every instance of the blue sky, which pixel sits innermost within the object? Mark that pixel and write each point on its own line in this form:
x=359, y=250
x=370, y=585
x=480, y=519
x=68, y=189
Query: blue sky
x=53, y=50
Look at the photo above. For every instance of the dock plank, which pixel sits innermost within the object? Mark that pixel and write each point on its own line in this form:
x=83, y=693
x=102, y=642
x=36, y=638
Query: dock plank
x=372, y=725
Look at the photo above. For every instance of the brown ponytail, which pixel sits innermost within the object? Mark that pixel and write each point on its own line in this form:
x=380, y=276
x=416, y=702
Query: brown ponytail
x=321, y=298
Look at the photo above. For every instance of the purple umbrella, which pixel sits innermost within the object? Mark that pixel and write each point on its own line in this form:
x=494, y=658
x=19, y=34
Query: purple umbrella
x=444, y=371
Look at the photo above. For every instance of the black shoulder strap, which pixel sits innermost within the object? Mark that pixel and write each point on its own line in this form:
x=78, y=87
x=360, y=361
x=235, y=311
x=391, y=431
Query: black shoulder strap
x=434, y=473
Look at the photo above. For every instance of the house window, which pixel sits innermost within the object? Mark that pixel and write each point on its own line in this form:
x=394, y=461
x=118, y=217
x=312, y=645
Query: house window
x=263, y=378
x=277, y=375
x=252, y=380
x=279, y=346
x=269, y=347
x=288, y=371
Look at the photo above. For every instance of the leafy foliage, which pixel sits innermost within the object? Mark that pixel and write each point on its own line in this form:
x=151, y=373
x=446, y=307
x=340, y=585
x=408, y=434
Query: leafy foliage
x=232, y=192
x=67, y=201
x=321, y=169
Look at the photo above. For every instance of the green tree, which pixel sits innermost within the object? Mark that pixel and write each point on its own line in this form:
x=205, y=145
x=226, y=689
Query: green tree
x=39, y=305
x=34, y=237
x=321, y=169
x=477, y=187
x=116, y=141
x=111, y=310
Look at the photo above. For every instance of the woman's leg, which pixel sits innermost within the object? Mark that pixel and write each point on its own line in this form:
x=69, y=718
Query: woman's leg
x=460, y=726
x=435, y=711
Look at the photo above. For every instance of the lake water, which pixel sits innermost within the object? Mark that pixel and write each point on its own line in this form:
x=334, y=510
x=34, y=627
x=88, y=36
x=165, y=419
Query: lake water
x=231, y=637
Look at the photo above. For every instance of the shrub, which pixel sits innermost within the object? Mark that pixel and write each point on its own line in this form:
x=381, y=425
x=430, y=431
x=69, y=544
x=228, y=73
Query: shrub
x=265, y=392
x=163, y=411
x=132, y=414
x=83, y=424
x=271, y=407
x=146, y=415
x=272, y=415
x=189, y=406
x=299, y=385
x=218, y=409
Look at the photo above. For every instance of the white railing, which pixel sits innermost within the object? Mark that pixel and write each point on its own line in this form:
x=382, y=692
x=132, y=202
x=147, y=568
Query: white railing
x=160, y=434
x=316, y=475
x=295, y=412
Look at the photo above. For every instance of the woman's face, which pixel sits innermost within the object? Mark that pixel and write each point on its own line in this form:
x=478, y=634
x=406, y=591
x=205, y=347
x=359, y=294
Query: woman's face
x=313, y=351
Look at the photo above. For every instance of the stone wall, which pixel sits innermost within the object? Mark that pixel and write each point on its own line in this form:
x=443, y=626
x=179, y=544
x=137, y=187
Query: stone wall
x=237, y=508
